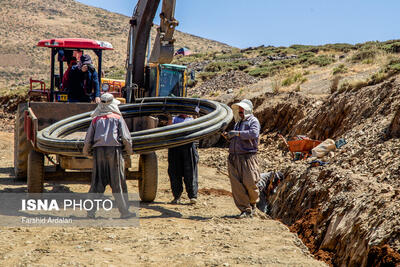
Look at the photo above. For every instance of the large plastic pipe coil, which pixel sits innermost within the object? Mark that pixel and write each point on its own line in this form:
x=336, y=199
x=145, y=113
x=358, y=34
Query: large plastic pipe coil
x=213, y=117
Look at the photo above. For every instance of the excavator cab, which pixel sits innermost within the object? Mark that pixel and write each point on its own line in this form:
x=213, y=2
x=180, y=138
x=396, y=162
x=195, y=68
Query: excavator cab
x=166, y=80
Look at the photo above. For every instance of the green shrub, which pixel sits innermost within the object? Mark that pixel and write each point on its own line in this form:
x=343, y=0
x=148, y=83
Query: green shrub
x=216, y=66
x=322, y=60
x=339, y=69
x=371, y=45
x=206, y=75
x=229, y=56
x=368, y=61
x=182, y=60
x=305, y=48
x=392, y=48
x=305, y=57
x=363, y=55
x=393, y=65
x=199, y=55
x=340, y=47
x=262, y=72
x=378, y=77
x=240, y=65
x=221, y=66
x=352, y=86
x=293, y=78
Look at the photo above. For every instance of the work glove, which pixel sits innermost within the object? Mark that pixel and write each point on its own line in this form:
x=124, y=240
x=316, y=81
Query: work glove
x=232, y=134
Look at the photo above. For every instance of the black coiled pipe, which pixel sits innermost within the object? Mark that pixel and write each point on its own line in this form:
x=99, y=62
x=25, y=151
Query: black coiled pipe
x=213, y=118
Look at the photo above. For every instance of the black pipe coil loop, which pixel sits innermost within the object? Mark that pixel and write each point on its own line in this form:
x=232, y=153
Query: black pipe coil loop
x=214, y=118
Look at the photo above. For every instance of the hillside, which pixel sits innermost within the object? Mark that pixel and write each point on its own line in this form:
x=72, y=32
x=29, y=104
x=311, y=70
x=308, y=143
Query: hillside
x=316, y=70
x=25, y=22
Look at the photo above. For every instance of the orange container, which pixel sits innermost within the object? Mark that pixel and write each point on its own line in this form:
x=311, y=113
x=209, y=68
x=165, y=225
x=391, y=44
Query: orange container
x=304, y=145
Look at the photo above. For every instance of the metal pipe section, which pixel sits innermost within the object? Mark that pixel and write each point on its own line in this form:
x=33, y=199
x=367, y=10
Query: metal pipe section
x=213, y=117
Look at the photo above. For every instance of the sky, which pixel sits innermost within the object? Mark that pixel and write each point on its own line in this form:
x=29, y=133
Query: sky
x=246, y=23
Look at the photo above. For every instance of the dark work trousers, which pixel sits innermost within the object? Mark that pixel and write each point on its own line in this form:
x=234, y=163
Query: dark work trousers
x=109, y=169
x=182, y=163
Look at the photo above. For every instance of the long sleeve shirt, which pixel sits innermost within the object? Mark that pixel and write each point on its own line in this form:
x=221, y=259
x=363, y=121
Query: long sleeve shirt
x=65, y=82
x=247, y=141
x=108, y=130
x=83, y=85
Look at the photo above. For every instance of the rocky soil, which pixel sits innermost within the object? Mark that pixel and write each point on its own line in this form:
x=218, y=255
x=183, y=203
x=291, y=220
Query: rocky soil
x=348, y=211
x=224, y=84
x=206, y=234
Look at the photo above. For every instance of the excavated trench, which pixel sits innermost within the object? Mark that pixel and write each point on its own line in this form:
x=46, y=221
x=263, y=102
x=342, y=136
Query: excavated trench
x=348, y=211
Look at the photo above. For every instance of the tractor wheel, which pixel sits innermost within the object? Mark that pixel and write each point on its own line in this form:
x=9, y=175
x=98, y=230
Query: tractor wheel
x=148, y=181
x=35, y=172
x=21, y=145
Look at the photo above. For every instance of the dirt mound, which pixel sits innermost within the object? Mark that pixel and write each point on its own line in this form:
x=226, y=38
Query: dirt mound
x=225, y=82
x=282, y=113
x=348, y=210
x=214, y=192
x=8, y=106
x=9, y=102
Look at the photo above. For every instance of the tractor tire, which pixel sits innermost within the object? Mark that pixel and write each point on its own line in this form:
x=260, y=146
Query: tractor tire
x=35, y=172
x=22, y=146
x=148, y=182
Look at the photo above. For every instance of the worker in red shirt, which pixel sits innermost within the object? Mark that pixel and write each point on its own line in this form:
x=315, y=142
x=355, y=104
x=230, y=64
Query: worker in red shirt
x=70, y=62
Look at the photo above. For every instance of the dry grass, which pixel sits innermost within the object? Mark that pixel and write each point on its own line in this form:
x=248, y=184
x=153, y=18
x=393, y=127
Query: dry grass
x=276, y=83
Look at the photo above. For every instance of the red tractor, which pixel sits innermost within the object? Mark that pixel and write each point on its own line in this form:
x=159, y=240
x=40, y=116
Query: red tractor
x=49, y=104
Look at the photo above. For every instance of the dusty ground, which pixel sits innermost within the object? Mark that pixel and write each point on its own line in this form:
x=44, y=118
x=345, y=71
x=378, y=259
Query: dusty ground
x=202, y=235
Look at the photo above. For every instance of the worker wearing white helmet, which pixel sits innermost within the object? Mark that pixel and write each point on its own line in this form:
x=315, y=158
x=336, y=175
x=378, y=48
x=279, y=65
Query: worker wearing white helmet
x=242, y=161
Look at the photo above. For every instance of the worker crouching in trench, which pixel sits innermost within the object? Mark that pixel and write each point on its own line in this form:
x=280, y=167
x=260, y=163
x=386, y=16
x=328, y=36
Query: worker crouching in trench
x=108, y=139
x=242, y=161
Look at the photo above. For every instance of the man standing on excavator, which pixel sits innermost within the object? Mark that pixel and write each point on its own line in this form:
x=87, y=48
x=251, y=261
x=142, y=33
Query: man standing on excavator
x=242, y=161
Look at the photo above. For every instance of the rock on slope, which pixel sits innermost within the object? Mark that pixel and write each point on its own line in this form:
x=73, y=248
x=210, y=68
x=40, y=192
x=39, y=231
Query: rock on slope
x=349, y=210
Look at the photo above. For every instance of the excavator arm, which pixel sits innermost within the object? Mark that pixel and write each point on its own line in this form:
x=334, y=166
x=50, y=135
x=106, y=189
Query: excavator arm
x=163, y=49
x=140, y=28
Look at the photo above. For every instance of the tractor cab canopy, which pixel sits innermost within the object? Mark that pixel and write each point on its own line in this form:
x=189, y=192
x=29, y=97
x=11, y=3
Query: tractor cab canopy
x=76, y=43
x=66, y=48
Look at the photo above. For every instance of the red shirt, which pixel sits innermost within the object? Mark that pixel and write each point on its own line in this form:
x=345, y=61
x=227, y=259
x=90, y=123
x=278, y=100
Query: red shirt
x=64, y=81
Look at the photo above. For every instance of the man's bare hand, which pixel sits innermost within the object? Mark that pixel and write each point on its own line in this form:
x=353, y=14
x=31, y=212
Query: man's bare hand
x=97, y=100
x=84, y=68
